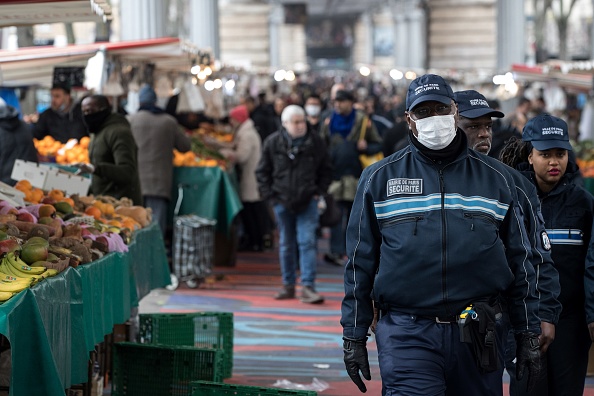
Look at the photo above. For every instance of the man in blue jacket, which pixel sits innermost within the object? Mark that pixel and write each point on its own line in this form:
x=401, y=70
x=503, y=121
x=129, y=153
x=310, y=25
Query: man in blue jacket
x=475, y=120
x=436, y=240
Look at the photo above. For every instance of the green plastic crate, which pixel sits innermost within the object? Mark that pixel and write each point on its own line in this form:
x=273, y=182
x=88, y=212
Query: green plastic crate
x=199, y=329
x=161, y=370
x=204, y=388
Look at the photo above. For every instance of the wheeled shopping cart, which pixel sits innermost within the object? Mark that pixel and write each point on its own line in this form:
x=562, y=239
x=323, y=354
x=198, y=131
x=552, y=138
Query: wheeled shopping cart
x=193, y=247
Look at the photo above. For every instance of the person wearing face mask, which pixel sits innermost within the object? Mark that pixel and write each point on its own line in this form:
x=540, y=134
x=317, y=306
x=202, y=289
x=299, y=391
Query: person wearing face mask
x=568, y=212
x=436, y=241
x=313, y=110
x=293, y=173
x=63, y=120
x=112, y=151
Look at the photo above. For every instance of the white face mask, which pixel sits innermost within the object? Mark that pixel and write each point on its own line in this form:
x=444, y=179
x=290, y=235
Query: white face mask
x=313, y=110
x=436, y=132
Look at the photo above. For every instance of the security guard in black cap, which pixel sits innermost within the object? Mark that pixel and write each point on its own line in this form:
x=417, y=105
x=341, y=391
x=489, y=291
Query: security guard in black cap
x=436, y=240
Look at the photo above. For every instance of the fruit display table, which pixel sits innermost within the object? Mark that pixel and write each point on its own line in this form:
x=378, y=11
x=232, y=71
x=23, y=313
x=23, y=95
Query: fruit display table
x=207, y=192
x=53, y=326
x=589, y=184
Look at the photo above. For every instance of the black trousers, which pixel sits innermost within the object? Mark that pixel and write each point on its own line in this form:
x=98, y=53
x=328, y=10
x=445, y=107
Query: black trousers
x=253, y=217
x=566, y=360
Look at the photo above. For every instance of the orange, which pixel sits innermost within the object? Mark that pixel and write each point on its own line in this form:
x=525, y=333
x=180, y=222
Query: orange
x=84, y=141
x=69, y=200
x=23, y=185
x=37, y=194
x=93, y=211
x=56, y=195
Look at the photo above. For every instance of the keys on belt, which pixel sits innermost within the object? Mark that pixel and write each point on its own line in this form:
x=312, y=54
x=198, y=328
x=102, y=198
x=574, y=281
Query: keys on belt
x=447, y=319
x=443, y=319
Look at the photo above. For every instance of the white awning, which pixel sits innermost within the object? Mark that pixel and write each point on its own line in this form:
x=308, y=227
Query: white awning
x=34, y=65
x=34, y=12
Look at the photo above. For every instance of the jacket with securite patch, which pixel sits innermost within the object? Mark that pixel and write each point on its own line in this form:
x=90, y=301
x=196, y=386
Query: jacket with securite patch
x=427, y=238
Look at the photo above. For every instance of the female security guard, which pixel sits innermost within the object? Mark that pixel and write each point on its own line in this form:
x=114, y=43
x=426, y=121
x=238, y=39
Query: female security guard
x=568, y=212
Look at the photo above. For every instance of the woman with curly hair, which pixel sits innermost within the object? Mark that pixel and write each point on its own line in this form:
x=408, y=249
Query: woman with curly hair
x=568, y=210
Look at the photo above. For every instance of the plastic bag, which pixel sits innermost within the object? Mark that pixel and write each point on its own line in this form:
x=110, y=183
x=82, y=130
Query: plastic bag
x=316, y=385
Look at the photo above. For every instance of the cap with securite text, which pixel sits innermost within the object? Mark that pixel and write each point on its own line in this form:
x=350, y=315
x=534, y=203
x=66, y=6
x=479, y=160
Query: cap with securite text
x=471, y=104
x=429, y=87
x=546, y=132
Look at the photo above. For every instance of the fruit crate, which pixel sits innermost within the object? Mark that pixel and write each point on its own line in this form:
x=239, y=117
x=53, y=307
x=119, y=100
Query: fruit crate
x=199, y=329
x=161, y=370
x=205, y=388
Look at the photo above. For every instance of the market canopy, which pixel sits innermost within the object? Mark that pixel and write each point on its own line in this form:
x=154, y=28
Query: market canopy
x=34, y=12
x=575, y=76
x=34, y=65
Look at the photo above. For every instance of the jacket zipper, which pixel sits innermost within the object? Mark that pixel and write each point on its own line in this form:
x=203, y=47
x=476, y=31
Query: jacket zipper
x=444, y=283
x=404, y=219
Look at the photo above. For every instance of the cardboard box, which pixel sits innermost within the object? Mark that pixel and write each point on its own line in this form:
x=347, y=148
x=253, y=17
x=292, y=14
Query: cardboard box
x=12, y=195
x=48, y=178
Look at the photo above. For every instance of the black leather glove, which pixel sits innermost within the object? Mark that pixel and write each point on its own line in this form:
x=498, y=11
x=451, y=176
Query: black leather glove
x=355, y=360
x=528, y=357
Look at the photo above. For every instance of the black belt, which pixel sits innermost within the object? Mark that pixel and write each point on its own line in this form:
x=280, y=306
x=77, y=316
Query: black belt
x=448, y=319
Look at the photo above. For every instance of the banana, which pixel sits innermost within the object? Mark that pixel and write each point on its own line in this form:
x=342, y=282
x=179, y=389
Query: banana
x=6, y=268
x=14, y=287
x=4, y=296
x=4, y=277
x=51, y=272
x=57, y=250
x=21, y=267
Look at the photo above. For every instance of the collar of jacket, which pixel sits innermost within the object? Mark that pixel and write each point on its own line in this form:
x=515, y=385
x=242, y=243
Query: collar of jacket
x=287, y=139
x=460, y=140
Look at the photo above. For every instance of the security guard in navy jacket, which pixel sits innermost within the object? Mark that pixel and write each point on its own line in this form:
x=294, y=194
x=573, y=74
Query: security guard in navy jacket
x=568, y=212
x=436, y=227
x=476, y=120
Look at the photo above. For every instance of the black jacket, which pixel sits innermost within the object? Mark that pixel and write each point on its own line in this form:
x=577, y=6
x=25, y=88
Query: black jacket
x=17, y=142
x=568, y=212
x=61, y=126
x=293, y=175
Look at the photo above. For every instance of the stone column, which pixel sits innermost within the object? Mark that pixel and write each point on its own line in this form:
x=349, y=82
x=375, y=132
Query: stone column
x=143, y=19
x=410, y=24
x=277, y=18
x=511, y=40
x=367, y=22
x=204, y=28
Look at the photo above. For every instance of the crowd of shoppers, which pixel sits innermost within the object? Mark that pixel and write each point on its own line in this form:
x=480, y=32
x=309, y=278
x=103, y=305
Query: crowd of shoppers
x=438, y=230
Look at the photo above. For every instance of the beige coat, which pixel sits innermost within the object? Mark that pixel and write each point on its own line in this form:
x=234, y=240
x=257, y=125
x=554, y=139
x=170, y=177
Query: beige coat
x=246, y=152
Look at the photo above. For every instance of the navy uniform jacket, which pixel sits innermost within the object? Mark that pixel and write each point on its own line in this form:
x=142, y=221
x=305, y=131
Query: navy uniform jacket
x=547, y=284
x=568, y=211
x=427, y=239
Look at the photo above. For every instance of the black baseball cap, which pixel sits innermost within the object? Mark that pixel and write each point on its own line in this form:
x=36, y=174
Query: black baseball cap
x=429, y=87
x=546, y=132
x=344, y=95
x=471, y=104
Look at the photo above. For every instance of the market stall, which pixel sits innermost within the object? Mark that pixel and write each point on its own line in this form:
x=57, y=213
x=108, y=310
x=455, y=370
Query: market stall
x=56, y=323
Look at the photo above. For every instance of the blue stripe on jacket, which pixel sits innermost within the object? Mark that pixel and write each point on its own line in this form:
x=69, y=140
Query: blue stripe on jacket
x=402, y=206
x=559, y=236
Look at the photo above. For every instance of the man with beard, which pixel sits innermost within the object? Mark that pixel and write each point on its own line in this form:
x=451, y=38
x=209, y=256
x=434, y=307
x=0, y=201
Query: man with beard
x=476, y=119
x=63, y=120
x=112, y=151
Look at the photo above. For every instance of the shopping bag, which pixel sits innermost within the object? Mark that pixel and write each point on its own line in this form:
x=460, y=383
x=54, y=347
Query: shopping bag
x=368, y=159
